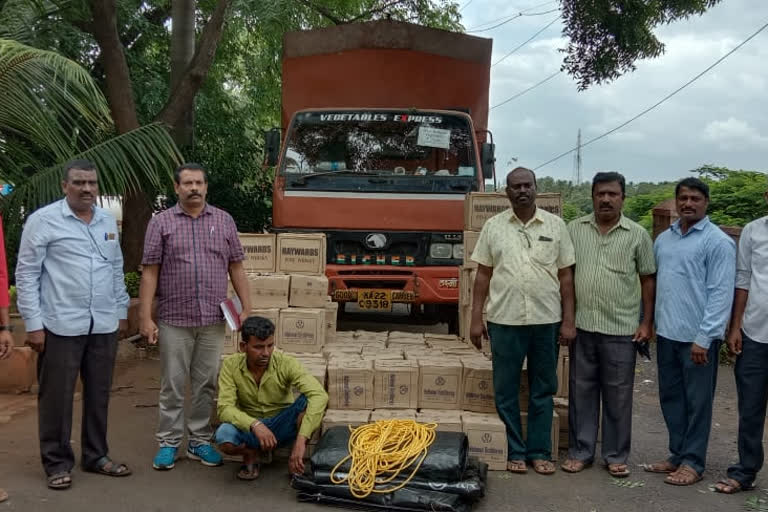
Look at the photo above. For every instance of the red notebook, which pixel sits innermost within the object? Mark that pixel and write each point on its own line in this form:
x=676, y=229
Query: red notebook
x=232, y=308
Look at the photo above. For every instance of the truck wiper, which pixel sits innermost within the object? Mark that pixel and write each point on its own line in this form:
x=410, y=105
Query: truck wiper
x=338, y=171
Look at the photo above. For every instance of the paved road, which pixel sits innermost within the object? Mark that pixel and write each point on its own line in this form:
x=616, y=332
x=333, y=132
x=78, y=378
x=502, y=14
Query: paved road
x=192, y=487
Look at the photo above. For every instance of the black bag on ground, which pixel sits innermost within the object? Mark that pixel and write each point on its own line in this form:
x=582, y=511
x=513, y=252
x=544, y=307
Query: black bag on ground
x=471, y=485
x=402, y=499
x=446, y=458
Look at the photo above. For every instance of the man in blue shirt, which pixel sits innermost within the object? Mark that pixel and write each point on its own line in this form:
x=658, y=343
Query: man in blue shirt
x=72, y=296
x=696, y=264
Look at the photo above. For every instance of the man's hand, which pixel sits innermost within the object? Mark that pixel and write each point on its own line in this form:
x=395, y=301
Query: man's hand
x=36, y=340
x=643, y=333
x=296, y=462
x=267, y=440
x=699, y=354
x=478, y=331
x=122, y=328
x=6, y=344
x=734, y=342
x=567, y=333
x=148, y=329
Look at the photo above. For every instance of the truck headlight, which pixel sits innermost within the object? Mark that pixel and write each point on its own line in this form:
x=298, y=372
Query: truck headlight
x=440, y=251
x=458, y=251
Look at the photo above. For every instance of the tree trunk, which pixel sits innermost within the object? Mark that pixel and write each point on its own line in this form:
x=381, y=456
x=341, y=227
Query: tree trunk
x=182, y=52
x=136, y=206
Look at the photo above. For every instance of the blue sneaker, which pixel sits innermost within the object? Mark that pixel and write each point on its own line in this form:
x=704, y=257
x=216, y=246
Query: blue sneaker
x=165, y=458
x=205, y=453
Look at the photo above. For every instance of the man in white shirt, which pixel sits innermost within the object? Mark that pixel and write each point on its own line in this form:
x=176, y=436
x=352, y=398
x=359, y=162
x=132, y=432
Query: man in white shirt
x=748, y=339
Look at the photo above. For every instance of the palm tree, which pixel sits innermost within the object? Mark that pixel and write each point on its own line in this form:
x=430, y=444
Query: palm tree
x=52, y=111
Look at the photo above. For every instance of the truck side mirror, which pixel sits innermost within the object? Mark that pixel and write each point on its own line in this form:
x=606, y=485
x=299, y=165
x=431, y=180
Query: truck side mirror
x=272, y=146
x=488, y=160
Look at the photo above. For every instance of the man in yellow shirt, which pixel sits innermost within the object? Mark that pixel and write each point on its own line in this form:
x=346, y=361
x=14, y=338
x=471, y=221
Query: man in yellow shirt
x=525, y=259
x=256, y=404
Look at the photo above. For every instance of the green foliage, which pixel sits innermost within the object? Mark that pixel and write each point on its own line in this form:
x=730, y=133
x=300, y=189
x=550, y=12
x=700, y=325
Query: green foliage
x=12, y=295
x=606, y=38
x=132, y=280
x=736, y=197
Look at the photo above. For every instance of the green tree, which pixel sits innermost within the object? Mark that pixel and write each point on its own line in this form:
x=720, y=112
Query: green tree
x=737, y=197
x=607, y=37
x=53, y=111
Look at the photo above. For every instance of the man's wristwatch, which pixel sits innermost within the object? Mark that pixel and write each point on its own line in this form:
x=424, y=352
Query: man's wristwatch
x=8, y=328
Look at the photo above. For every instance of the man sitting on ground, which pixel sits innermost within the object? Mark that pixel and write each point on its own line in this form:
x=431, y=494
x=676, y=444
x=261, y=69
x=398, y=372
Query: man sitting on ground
x=256, y=403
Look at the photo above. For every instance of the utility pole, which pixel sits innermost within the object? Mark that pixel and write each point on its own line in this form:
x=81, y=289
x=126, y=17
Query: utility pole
x=577, y=161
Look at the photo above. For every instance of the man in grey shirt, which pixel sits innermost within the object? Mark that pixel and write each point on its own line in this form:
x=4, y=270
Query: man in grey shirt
x=748, y=339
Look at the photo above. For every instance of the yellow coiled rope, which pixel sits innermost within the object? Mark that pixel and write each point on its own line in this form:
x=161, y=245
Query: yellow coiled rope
x=380, y=451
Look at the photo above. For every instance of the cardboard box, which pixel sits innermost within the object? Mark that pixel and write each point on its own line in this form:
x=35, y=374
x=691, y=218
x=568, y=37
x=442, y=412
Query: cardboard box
x=447, y=421
x=415, y=353
x=561, y=408
x=259, y=251
x=487, y=437
x=477, y=389
x=470, y=241
x=350, y=384
x=396, y=384
x=466, y=284
x=308, y=291
x=231, y=344
x=551, y=202
x=393, y=414
x=301, y=253
x=18, y=372
x=481, y=206
x=440, y=383
x=563, y=375
x=554, y=431
x=345, y=418
x=337, y=350
x=271, y=314
x=301, y=330
x=269, y=291
x=331, y=313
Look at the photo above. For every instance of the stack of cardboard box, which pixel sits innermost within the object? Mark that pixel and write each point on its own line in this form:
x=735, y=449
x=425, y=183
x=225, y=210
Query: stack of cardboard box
x=287, y=282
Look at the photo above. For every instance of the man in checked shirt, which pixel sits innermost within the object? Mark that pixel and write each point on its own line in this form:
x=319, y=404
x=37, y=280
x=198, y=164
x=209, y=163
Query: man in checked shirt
x=188, y=251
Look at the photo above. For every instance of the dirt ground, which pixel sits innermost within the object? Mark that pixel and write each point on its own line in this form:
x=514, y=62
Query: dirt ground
x=193, y=487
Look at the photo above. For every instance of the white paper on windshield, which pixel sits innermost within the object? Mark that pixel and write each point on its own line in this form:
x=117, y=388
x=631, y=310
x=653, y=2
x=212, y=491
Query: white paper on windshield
x=434, y=137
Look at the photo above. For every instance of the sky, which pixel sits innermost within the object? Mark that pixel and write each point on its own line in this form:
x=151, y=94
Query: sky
x=720, y=119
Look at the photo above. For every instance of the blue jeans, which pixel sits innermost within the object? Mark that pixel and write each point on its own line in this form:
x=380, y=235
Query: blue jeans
x=282, y=425
x=752, y=388
x=686, y=393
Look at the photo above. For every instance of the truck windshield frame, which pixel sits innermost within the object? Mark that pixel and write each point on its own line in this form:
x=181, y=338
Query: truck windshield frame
x=380, y=150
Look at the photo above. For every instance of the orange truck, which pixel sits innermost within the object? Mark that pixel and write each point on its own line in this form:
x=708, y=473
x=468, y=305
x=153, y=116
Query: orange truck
x=384, y=132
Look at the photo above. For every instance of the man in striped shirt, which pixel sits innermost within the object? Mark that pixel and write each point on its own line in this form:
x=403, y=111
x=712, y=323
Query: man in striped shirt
x=614, y=275
x=696, y=264
x=188, y=251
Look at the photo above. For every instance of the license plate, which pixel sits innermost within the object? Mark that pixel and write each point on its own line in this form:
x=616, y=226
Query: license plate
x=374, y=300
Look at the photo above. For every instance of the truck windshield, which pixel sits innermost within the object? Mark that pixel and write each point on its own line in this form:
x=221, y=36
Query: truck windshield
x=339, y=146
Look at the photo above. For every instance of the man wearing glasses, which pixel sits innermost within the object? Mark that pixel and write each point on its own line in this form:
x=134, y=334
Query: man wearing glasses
x=525, y=259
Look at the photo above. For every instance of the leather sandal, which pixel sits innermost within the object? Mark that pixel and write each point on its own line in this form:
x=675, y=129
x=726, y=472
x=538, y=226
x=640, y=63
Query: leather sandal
x=731, y=486
x=543, y=467
x=660, y=467
x=685, y=475
x=574, y=466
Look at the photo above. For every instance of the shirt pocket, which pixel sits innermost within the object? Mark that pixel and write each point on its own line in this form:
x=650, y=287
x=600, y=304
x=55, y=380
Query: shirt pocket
x=544, y=252
x=109, y=249
x=620, y=264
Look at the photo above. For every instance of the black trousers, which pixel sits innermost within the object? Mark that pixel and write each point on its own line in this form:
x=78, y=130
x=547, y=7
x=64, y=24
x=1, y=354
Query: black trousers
x=64, y=358
x=752, y=386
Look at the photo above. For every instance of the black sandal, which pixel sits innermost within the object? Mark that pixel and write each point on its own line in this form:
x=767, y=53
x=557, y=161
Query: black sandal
x=249, y=472
x=60, y=481
x=107, y=466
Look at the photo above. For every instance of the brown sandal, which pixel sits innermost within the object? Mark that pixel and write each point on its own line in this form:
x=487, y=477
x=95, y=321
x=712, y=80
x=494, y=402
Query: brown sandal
x=731, y=486
x=517, y=466
x=543, y=467
x=618, y=470
x=574, y=466
x=685, y=475
x=660, y=467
